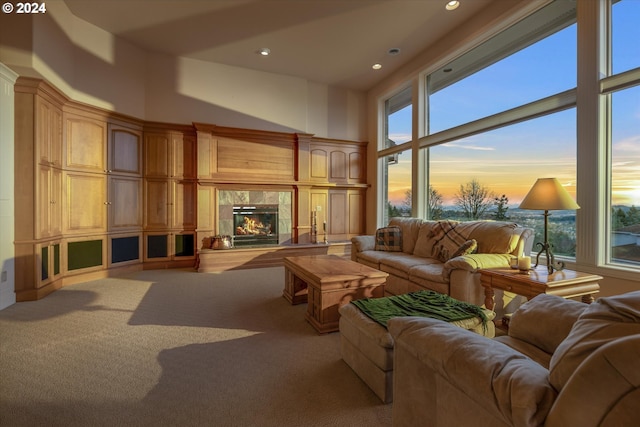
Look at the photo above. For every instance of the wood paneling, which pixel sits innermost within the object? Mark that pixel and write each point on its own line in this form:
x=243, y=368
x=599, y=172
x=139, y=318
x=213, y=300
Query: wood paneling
x=244, y=158
x=319, y=164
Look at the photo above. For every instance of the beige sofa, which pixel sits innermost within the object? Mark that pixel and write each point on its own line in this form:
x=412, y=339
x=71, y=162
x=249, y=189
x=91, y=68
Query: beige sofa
x=563, y=363
x=423, y=264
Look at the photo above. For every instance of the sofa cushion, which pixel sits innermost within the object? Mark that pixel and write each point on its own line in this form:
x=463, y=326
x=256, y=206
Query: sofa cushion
x=372, y=257
x=389, y=239
x=493, y=237
x=545, y=321
x=606, y=320
x=424, y=243
x=410, y=228
x=399, y=264
x=431, y=271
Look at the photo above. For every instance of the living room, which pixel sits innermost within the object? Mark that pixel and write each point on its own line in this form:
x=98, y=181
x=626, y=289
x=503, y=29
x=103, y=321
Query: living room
x=94, y=73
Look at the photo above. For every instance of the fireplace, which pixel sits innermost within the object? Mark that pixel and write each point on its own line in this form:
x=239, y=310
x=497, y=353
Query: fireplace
x=255, y=225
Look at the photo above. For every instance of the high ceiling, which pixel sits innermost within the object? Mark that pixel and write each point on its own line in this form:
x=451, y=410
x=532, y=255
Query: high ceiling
x=328, y=41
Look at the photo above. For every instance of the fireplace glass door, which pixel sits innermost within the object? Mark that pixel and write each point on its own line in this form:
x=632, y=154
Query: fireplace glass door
x=255, y=225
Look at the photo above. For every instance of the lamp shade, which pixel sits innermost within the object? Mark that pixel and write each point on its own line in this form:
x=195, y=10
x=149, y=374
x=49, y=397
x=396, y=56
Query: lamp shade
x=548, y=194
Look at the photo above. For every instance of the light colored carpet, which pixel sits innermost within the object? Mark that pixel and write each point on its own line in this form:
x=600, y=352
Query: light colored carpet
x=176, y=348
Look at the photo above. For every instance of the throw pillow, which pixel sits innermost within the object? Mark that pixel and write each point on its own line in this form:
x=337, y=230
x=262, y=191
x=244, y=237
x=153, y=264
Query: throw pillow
x=389, y=239
x=446, y=240
x=466, y=248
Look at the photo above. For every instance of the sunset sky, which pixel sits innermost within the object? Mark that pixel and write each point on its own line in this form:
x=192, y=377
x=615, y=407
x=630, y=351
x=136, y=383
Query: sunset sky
x=509, y=160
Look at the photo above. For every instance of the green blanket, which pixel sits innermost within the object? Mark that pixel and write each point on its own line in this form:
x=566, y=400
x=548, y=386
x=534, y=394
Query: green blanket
x=421, y=303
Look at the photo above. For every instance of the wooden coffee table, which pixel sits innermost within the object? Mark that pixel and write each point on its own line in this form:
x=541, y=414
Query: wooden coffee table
x=564, y=283
x=327, y=282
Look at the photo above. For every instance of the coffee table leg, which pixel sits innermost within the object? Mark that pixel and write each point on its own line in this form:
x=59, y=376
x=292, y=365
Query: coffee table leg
x=295, y=289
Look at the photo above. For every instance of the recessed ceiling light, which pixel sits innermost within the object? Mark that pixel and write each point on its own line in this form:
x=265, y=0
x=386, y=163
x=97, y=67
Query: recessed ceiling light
x=265, y=51
x=376, y=66
x=452, y=5
x=393, y=51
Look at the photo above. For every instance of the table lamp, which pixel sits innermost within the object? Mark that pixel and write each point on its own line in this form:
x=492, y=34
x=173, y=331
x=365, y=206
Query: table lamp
x=548, y=194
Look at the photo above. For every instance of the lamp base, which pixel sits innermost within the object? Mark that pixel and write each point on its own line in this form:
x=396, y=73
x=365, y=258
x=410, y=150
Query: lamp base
x=552, y=264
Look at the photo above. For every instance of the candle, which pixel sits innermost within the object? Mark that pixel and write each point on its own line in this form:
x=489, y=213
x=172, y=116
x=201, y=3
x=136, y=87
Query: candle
x=513, y=262
x=524, y=263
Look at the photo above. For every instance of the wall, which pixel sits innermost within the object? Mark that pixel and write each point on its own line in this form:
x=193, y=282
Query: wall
x=92, y=66
x=7, y=253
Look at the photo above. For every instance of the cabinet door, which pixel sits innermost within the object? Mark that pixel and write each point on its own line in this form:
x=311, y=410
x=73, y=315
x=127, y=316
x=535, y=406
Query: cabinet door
x=49, y=263
x=85, y=144
x=85, y=208
x=125, y=151
x=207, y=161
x=48, y=130
x=346, y=217
x=156, y=204
x=183, y=156
x=49, y=202
x=55, y=191
x=125, y=203
x=183, y=204
x=156, y=155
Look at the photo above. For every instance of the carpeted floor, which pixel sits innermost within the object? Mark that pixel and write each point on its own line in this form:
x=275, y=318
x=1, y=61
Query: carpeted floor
x=176, y=348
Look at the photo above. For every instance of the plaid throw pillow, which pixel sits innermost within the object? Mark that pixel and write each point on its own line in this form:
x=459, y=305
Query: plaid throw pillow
x=389, y=239
x=447, y=240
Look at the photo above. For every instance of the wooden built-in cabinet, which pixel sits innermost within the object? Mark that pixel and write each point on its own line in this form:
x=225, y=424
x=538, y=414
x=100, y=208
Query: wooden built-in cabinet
x=98, y=192
x=170, y=189
x=79, y=182
x=336, y=171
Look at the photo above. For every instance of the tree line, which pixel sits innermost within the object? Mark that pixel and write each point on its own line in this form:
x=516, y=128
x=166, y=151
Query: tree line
x=473, y=198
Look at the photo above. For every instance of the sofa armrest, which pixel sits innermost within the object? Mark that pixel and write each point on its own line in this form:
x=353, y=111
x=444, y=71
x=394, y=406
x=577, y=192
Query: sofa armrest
x=474, y=262
x=509, y=385
x=606, y=388
x=363, y=243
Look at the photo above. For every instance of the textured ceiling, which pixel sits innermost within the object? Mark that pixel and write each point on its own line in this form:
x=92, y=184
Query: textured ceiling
x=328, y=41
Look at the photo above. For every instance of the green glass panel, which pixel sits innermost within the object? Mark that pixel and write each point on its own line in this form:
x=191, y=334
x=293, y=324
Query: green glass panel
x=184, y=244
x=44, y=255
x=56, y=259
x=125, y=249
x=84, y=254
x=157, y=246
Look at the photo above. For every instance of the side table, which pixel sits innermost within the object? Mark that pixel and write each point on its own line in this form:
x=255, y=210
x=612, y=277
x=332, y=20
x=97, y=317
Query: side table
x=563, y=283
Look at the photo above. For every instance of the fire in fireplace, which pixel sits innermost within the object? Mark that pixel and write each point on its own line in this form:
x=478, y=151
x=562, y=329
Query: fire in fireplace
x=255, y=225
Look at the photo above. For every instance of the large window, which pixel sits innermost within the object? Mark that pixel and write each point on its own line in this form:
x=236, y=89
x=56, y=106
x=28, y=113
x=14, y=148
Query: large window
x=502, y=165
x=509, y=111
x=396, y=164
x=499, y=118
x=622, y=94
